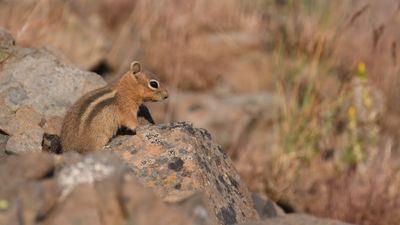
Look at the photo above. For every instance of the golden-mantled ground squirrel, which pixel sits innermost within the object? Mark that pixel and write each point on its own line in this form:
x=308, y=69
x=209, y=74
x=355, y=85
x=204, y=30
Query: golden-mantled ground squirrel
x=95, y=118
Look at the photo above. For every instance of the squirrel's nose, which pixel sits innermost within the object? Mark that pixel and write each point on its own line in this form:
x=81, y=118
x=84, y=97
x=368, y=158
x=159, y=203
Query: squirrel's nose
x=165, y=94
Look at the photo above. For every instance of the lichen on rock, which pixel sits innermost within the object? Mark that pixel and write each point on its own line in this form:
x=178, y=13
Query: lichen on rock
x=177, y=158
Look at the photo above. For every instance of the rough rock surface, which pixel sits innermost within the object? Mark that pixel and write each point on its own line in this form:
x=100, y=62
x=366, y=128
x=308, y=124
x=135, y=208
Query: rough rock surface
x=77, y=170
x=176, y=158
x=35, y=87
x=34, y=193
x=37, y=78
x=297, y=219
x=26, y=132
x=100, y=190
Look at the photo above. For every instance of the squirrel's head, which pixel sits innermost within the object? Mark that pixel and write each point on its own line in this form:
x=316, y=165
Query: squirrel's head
x=149, y=88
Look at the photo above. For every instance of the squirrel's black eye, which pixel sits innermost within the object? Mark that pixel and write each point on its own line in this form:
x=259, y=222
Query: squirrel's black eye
x=153, y=84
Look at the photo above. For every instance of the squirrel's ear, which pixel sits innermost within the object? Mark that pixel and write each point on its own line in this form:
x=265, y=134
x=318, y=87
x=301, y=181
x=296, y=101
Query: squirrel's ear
x=136, y=67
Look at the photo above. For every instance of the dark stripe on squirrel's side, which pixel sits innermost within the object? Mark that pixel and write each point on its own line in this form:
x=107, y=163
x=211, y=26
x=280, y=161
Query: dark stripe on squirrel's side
x=98, y=108
x=91, y=99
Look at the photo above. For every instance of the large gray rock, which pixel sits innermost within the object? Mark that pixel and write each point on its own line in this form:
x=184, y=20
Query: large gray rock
x=35, y=79
x=178, y=160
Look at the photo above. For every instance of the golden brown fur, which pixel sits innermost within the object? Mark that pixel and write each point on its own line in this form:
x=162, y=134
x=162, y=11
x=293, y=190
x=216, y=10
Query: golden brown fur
x=95, y=117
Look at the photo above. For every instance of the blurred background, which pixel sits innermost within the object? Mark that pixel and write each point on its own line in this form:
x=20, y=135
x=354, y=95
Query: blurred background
x=302, y=94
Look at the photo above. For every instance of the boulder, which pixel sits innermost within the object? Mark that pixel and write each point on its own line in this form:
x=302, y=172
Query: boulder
x=177, y=160
x=36, y=89
x=40, y=188
x=111, y=193
x=37, y=78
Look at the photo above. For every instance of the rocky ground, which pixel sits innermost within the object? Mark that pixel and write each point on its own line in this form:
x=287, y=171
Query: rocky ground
x=165, y=174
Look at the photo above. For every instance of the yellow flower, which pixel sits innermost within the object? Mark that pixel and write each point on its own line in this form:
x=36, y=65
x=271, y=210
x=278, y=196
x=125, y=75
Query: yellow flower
x=367, y=100
x=3, y=204
x=361, y=67
x=362, y=70
x=352, y=113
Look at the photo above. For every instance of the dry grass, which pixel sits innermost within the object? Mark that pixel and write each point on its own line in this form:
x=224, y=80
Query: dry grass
x=366, y=194
x=333, y=155
x=188, y=43
x=184, y=41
